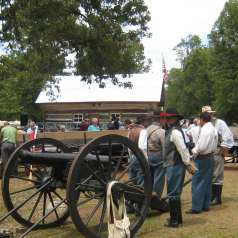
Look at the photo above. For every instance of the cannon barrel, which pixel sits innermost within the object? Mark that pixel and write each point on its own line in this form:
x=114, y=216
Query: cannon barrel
x=49, y=158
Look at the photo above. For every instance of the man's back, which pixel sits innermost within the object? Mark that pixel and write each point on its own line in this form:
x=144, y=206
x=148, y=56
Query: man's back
x=224, y=132
x=8, y=134
x=155, y=138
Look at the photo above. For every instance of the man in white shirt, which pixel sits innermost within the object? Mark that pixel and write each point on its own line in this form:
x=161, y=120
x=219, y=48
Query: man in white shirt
x=203, y=152
x=194, y=130
x=176, y=159
x=225, y=142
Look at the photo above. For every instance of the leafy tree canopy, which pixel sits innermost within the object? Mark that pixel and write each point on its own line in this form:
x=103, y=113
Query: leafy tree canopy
x=190, y=87
x=224, y=61
x=105, y=35
x=184, y=48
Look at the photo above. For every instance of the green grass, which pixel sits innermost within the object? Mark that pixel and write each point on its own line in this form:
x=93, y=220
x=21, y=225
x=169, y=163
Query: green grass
x=220, y=222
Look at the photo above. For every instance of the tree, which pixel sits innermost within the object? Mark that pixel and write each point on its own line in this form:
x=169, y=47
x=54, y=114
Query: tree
x=224, y=61
x=104, y=35
x=190, y=87
x=20, y=83
x=184, y=48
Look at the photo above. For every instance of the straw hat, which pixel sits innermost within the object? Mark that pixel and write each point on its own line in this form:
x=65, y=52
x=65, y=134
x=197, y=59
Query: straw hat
x=207, y=109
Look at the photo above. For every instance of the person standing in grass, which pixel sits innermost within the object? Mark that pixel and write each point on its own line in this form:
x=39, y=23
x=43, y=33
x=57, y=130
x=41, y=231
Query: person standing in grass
x=225, y=142
x=8, y=138
x=204, y=153
x=155, y=139
x=176, y=161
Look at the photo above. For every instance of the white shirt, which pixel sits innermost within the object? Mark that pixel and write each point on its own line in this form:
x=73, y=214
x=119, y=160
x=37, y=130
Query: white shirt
x=177, y=138
x=185, y=134
x=207, y=141
x=223, y=130
x=142, y=142
x=193, y=133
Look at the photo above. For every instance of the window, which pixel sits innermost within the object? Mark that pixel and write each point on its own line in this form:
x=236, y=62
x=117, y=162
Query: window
x=115, y=115
x=77, y=117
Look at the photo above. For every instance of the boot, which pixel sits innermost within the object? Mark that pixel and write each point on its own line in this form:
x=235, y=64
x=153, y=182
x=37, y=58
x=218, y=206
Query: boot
x=175, y=218
x=180, y=218
x=217, y=191
x=214, y=192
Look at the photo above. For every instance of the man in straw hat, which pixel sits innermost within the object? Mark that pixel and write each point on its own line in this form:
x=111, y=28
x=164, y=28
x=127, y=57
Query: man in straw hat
x=225, y=142
x=176, y=160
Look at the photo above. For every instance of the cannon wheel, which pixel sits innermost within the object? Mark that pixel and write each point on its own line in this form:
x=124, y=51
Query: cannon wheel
x=87, y=184
x=37, y=194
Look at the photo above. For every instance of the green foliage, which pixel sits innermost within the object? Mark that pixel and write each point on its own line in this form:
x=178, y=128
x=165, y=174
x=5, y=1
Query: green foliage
x=224, y=61
x=190, y=87
x=21, y=81
x=209, y=76
x=104, y=35
x=184, y=48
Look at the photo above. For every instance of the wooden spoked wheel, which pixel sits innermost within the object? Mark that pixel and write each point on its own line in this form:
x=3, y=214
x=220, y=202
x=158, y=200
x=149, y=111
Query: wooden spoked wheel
x=33, y=190
x=90, y=174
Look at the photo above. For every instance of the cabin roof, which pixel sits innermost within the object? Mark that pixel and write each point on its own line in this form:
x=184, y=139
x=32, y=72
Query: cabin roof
x=147, y=87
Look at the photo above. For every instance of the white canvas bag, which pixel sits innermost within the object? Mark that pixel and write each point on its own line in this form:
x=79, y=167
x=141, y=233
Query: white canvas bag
x=118, y=221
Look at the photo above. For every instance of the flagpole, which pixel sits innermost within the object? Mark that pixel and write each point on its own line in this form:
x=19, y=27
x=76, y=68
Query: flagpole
x=165, y=77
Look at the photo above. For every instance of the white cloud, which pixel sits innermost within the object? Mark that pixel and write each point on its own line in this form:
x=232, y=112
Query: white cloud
x=172, y=20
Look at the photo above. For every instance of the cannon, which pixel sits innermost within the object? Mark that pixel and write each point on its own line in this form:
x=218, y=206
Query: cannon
x=45, y=182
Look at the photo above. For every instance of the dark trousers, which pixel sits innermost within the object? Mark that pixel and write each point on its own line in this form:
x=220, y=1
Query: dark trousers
x=202, y=183
x=6, y=150
x=175, y=179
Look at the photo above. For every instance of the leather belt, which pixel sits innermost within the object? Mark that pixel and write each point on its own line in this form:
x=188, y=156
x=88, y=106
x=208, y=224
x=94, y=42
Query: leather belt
x=204, y=156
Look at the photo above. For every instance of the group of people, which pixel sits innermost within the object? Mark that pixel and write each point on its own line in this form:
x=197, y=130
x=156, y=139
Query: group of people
x=171, y=148
x=8, y=137
x=114, y=124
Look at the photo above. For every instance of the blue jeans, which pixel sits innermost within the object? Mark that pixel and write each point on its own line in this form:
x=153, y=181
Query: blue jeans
x=157, y=172
x=135, y=172
x=202, y=184
x=175, y=180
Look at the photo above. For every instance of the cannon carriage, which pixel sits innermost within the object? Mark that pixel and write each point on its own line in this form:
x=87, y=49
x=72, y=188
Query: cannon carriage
x=45, y=182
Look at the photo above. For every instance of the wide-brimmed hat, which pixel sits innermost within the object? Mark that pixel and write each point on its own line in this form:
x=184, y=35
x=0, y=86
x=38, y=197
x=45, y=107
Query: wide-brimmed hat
x=207, y=109
x=171, y=112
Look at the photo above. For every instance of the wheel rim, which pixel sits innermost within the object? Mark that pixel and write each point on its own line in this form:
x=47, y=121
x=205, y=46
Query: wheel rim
x=88, y=179
x=39, y=194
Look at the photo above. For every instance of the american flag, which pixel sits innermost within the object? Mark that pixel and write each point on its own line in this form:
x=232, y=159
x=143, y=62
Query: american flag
x=164, y=71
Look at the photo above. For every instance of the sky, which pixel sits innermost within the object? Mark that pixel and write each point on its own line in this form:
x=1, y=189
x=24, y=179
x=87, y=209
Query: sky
x=172, y=20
